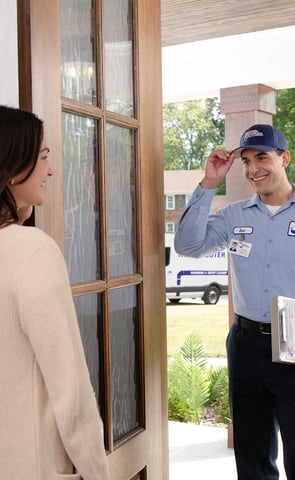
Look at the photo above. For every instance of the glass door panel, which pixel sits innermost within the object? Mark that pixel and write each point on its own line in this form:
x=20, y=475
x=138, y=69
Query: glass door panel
x=88, y=308
x=118, y=26
x=121, y=201
x=125, y=361
x=81, y=205
x=78, y=52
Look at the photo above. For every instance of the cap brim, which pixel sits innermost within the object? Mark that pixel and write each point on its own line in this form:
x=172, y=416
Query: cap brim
x=262, y=148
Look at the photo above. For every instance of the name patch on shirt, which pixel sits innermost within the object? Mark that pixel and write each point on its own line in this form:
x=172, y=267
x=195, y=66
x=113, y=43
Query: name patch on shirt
x=242, y=230
x=291, y=229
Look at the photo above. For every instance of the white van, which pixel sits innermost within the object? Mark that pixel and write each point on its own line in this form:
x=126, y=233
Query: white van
x=186, y=277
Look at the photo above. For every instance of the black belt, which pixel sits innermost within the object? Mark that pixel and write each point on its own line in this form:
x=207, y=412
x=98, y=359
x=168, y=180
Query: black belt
x=261, y=327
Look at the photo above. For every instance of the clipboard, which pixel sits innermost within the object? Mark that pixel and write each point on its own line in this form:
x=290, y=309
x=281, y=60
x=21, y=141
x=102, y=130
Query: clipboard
x=283, y=329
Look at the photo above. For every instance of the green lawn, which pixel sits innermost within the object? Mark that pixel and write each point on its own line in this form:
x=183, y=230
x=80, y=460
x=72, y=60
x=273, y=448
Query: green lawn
x=209, y=321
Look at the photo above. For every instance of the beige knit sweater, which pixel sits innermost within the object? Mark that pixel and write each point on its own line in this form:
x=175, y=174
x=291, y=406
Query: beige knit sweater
x=48, y=414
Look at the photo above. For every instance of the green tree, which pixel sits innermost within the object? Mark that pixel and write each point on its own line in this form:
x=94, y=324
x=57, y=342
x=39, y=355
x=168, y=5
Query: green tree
x=194, y=128
x=191, y=130
x=284, y=120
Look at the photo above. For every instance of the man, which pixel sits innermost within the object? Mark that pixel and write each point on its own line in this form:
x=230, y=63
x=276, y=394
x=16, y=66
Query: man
x=261, y=242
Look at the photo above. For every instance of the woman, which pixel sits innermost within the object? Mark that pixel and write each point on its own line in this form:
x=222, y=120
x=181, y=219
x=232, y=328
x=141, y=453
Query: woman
x=49, y=423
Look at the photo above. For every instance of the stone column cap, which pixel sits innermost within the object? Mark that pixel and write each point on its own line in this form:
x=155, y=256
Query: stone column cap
x=246, y=98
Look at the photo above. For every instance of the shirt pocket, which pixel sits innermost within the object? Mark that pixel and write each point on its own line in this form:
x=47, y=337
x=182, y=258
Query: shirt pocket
x=242, y=264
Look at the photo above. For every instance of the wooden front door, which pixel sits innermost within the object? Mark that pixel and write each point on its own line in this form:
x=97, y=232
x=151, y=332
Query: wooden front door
x=92, y=70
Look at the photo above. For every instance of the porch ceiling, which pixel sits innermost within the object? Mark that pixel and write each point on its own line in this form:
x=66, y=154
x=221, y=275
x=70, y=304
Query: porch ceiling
x=209, y=45
x=186, y=21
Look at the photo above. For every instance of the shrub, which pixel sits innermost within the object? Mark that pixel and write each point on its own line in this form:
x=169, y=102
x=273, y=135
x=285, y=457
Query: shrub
x=177, y=409
x=218, y=381
x=192, y=385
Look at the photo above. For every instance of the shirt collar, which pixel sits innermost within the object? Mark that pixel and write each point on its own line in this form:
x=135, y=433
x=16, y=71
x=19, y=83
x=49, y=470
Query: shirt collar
x=255, y=200
x=250, y=202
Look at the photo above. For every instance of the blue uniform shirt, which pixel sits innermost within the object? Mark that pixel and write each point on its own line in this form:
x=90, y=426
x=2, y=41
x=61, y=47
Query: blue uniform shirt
x=269, y=268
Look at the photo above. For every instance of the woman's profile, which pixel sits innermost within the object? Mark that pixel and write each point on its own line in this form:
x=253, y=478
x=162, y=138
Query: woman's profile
x=50, y=427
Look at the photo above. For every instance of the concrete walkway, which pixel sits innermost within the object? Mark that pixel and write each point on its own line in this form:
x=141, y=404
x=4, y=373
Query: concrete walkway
x=199, y=452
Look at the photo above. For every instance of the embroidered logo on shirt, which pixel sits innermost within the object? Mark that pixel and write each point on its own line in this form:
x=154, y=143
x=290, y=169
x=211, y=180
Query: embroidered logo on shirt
x=291, y=229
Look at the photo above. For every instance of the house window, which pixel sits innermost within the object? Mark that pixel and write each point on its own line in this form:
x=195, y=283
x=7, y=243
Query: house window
x=170, y=227
x=170, y=202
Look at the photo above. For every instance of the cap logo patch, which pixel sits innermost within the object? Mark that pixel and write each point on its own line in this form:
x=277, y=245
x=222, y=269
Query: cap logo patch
x=251, y=134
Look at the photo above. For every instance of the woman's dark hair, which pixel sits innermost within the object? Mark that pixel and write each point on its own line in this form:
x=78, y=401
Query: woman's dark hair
x=21, y=135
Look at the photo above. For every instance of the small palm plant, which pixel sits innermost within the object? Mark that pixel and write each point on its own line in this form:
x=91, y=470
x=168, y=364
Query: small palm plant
x=193, y=386
x=189, y=387
x=218, y=379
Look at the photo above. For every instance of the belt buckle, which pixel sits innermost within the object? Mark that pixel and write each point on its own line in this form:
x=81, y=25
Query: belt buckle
x=261, y=329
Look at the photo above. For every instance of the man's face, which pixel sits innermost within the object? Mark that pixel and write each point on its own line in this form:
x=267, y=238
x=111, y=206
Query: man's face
x=265, y=170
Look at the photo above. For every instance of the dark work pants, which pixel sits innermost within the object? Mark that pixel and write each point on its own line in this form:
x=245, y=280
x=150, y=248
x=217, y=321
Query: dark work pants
x=262, y=400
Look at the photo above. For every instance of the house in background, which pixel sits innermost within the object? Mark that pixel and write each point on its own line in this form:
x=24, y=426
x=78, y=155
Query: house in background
x=178, y=187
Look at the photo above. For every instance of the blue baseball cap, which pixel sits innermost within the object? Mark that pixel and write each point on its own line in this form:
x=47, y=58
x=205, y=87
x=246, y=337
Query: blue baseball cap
x=262, y=137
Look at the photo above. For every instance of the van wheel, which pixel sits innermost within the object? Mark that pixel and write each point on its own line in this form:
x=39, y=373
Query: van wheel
x=174, y=300
x=211, y=295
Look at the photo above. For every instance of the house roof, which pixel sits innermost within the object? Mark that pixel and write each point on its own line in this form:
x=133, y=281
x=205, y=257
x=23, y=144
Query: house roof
x=181, y=182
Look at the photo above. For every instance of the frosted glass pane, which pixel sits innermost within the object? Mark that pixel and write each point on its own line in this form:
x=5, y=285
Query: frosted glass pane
x=119, y=56
x=121, y=201
x=125, y=361
x=78, y=66
x=80, y=198
x=88, y=308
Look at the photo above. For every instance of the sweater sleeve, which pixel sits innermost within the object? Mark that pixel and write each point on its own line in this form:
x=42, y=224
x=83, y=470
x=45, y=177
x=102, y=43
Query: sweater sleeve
x=48, y=319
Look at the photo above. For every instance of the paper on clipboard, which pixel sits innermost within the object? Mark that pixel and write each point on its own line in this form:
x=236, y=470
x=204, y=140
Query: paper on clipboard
x=283, y=329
